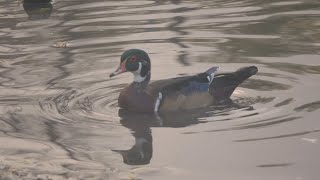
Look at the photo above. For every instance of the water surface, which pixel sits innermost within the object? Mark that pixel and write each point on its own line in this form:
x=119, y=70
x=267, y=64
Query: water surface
x=59, y=114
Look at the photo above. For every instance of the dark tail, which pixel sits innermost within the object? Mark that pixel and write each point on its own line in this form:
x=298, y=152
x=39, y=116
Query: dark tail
x=224, y=84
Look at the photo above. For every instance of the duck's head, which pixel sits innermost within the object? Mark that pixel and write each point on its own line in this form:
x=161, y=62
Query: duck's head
x=135, y=61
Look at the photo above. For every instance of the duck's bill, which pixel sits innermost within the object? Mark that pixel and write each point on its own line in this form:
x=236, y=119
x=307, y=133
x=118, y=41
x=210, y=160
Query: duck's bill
x=120, y=70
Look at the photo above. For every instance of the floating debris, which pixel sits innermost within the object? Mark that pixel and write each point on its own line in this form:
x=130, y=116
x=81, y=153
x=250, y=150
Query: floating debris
x=63, y=44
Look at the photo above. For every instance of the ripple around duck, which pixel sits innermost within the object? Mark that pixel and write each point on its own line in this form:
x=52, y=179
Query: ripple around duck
x=60, y=101
x=95, y=104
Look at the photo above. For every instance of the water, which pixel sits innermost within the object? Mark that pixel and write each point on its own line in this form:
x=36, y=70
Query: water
x=59, y=114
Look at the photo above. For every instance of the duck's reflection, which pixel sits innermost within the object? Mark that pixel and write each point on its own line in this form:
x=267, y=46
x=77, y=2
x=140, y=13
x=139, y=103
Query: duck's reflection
x=38, y=9
x=141, y=151
x=140, y=125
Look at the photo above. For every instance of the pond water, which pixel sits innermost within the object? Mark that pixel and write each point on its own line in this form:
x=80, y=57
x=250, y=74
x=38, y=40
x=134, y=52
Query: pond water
x=59, y=113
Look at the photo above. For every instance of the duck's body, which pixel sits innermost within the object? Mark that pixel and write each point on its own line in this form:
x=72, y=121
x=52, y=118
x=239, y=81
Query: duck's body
x=182, y=93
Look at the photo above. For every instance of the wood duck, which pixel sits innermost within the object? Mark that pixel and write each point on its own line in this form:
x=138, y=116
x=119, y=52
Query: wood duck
x=181, y=93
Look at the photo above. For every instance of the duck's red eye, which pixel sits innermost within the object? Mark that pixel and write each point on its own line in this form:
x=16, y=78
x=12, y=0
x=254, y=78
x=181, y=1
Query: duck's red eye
x=133, y=58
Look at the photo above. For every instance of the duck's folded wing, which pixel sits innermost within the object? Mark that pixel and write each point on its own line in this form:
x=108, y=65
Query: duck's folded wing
x=179, y=91
x=185, y=84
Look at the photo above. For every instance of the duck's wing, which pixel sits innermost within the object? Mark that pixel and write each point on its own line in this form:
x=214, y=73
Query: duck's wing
x=176, y=88
x=224, y=84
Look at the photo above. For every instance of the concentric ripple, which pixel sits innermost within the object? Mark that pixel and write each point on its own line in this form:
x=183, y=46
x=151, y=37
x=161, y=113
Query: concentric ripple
x=59, y=112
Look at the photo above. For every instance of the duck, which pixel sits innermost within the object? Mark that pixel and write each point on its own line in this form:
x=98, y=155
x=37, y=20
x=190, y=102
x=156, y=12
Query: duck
x=175, y=94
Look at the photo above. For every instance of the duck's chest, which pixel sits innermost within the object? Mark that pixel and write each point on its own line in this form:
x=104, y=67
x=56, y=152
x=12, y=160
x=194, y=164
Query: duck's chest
x=136, y=100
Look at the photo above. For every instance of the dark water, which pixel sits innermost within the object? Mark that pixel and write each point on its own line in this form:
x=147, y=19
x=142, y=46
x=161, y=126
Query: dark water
x=59, y=114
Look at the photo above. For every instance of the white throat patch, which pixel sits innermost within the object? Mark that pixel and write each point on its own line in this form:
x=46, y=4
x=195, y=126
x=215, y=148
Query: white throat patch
x=136, y=74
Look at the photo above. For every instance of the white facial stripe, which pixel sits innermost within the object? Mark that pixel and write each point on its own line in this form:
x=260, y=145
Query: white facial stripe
x=136, y=74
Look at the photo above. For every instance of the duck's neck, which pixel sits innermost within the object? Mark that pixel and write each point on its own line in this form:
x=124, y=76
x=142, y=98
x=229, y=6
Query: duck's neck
x=140, y=81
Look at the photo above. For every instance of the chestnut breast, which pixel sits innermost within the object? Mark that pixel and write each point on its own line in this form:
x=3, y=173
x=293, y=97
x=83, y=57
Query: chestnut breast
x=136, y=100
